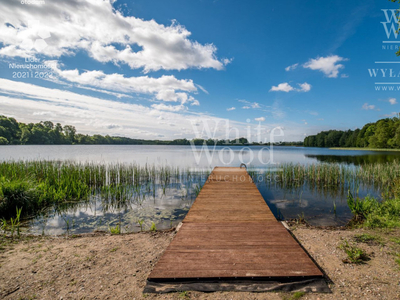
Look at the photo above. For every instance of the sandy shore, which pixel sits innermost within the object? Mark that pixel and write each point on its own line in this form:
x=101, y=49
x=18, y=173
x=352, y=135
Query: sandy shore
x=103, y=266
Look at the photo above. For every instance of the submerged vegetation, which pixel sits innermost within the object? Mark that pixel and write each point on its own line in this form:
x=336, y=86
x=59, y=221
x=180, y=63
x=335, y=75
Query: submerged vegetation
x=35, y=185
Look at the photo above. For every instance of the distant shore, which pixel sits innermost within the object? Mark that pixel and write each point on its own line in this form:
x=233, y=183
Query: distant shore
x=366, y=149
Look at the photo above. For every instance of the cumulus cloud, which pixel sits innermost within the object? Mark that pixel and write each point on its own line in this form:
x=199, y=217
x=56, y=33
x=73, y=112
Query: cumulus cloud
x=282, y=87
x=304, y=87
x=91, y=115
x=231, y=108
x=392, y=101
x=249, y=104
x=367, y=106
x=286, y=87
x=328, y=65
x=163, y=106
x=261, y=119
x=165, y=88
x=96, y=27
x=292, y=67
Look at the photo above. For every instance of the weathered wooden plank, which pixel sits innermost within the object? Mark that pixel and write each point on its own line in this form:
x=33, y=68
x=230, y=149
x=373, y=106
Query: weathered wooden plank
x=230, y=232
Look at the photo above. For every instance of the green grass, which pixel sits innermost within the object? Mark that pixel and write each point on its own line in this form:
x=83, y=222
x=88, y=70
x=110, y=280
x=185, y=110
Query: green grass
x=368, y=239
x=395, y=240
x=371, y=213
x=153, y=226
x=355, y=255
x=184, y=295
x=115, y=230
x=294, y=296
x=397, y=260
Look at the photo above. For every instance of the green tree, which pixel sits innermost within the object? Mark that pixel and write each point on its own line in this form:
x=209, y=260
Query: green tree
x=3, y=141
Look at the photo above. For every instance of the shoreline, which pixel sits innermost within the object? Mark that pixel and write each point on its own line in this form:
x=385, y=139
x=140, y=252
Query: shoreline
x=105, y=266
x=365, y=149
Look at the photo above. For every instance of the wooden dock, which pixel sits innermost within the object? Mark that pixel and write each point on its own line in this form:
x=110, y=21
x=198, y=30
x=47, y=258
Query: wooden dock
x=230, y=233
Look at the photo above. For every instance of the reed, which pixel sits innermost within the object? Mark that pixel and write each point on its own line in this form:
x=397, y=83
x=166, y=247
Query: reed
x=337, y=176
x=35, y=185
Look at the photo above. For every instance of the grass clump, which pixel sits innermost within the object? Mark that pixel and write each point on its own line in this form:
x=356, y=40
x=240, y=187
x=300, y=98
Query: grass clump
x=153, y=227
x=395, y=240
x=115, y=230
x=397, y=260
x=294, y=296
x=355, y=255
x=184, y=295
x=368, y=239
x=371, y=213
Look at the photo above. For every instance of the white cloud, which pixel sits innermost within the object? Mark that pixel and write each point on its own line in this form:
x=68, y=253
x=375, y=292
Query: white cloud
x=292, y=67
x=164, y=88
x=367, y=106
x=328, y=65
x=194, y=102
x=91, y=115
x=261, y=119
x=392, y=101
x=249, y=104
x=104, y=33
x=202, y=88
x=231, y=108
x=390, y=115
x=162, y=106
x=304, y=87
x=286, y=87
x=282, y=87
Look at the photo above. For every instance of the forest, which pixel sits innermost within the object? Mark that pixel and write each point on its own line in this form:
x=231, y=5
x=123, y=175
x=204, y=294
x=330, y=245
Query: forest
x=13, y=132
x=383, y=134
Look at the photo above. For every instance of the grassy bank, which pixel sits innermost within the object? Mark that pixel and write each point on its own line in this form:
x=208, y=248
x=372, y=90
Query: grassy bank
x=34, y=185
x=371, y=213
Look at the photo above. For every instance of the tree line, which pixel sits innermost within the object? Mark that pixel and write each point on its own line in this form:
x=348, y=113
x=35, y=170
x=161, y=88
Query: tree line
x=384, y=133
x=13, y=132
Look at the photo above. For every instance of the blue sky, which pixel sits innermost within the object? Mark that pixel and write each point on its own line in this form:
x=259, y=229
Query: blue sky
x=157, y=69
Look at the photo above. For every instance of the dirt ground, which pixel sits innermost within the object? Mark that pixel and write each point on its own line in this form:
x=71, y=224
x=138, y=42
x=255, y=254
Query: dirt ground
x=103, y=266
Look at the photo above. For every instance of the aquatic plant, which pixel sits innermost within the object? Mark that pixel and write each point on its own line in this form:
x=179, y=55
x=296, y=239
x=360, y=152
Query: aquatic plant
x=334, y=176
x=67, y=223
x=141, y=222
x=35, y=185
x=153, y=226
x=4, y=226
x=15, y=223
x=115, y=230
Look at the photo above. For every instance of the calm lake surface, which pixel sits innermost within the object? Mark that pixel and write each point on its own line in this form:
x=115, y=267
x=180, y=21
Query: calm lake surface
x=167, y=206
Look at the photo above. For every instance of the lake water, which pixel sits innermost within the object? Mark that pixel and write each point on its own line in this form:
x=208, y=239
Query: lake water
x=167, y=206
